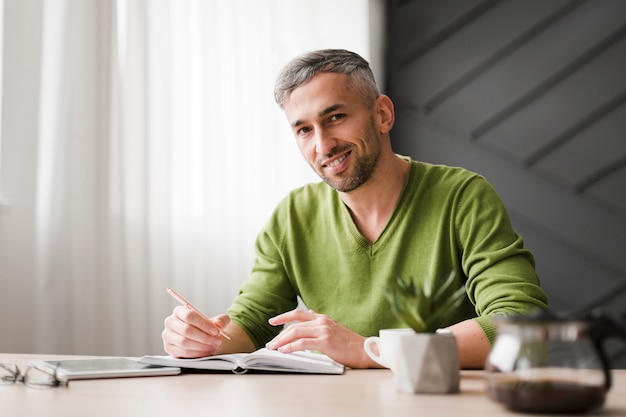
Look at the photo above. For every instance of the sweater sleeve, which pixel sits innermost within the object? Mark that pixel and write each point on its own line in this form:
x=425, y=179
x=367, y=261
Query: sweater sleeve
x=267, y=292
x=501, y=273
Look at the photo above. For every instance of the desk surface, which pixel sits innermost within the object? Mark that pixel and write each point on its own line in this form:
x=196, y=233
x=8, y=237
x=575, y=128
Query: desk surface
x=356, y=393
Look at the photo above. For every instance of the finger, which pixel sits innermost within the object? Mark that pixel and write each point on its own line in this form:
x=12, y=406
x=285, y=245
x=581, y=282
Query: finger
x=300, y=336
x=221, y=321
x=179, y=352
x=298, y=345
x=199, y=321
x=288, y=345
x=187, y=349
x=185, y=331
x=294, y=332
x=180, y=346
x=293, y=315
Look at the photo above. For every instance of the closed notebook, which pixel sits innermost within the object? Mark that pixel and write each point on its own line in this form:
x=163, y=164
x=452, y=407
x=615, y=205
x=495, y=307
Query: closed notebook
x=261, y=360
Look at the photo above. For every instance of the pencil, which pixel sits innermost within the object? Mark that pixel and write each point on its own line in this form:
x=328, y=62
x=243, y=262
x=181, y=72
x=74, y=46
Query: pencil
x=186, y=303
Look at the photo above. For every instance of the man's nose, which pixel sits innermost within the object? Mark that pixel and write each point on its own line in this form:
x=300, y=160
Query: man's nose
x=324, y=142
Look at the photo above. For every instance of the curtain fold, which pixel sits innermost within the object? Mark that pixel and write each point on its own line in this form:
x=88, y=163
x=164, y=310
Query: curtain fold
x=161, y=154
x=67, y=191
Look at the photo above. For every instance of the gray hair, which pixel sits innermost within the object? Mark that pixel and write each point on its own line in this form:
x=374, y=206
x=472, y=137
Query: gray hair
x=302, y=69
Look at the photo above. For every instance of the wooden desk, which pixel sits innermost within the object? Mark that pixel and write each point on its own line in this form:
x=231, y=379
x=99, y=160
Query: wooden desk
x=356, y=393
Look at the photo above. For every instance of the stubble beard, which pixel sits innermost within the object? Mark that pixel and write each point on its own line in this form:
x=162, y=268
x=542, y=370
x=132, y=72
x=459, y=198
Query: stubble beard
x=363, y=165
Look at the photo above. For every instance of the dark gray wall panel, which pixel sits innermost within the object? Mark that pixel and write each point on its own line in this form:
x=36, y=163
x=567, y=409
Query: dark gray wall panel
x=543, y=120
x=532, y=95
x=469, y=50
x=588, y=152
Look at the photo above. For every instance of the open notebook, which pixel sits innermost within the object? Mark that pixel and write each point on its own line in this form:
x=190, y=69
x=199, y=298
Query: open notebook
x=261, y=360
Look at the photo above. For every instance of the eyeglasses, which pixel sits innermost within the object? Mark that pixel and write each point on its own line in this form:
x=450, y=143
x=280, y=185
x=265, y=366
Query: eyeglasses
x=33, y=377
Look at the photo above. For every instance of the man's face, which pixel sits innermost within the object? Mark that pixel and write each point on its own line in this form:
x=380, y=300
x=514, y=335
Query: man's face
x=335, y=131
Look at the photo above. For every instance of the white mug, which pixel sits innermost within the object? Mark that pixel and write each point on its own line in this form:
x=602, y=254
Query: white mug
x=389, y=346
x=420, y=362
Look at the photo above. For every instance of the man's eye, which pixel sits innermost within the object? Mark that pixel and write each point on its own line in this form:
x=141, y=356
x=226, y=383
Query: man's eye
x=337, y=116
x=303, y=131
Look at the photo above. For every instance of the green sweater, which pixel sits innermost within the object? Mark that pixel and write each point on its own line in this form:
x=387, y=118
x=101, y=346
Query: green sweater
x=447, y=219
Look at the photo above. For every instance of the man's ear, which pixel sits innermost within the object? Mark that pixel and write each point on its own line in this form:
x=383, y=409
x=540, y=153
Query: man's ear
x=385, y=113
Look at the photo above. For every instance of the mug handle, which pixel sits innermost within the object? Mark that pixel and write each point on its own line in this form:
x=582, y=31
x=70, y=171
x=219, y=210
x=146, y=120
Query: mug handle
x=377, y=358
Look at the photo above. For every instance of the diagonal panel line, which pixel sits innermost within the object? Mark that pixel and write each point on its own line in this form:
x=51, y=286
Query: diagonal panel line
x=610, y=295
x=498, y=56
x=457, y=24
x=578, y=127
x=600, y=174
x=550, y=82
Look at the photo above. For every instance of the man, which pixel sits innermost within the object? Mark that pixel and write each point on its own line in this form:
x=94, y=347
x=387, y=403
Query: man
x=375, y=216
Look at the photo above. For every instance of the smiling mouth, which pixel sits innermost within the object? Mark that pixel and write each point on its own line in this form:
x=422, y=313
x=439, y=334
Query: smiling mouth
x=337, y=161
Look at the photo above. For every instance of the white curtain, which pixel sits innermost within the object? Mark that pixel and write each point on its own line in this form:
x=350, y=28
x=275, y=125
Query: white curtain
x=160, y=155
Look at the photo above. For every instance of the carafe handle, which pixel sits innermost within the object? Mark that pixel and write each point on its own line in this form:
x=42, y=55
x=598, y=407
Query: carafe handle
x=601, y=327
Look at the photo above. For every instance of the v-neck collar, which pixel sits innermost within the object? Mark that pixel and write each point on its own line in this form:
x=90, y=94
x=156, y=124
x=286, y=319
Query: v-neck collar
x=360, y=241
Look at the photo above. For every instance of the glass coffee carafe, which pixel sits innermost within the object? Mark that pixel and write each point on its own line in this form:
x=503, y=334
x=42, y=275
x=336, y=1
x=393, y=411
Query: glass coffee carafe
x=543, y=363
